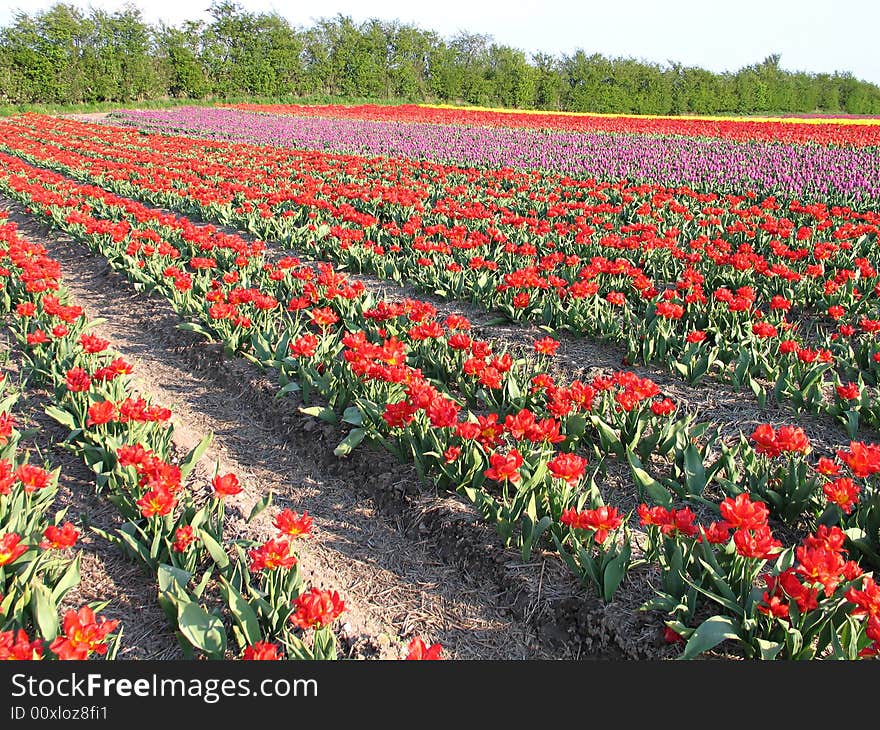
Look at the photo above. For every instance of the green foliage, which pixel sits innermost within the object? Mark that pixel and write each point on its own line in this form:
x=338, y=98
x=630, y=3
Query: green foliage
x=64, y=56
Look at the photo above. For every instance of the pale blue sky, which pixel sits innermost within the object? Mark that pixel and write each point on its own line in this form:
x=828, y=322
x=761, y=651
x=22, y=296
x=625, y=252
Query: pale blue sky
x=810, y=35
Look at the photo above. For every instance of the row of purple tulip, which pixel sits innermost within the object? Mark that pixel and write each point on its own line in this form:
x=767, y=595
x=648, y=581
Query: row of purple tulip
x=847, y=175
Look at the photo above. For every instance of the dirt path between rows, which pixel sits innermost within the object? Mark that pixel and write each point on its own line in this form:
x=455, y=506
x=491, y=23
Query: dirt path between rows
x=406, y=561
x=89, y=117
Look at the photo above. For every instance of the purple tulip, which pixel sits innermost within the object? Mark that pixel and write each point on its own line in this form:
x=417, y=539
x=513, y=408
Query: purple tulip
x=714, y=164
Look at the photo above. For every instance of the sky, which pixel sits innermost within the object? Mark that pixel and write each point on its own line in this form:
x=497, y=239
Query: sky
x=810, y=35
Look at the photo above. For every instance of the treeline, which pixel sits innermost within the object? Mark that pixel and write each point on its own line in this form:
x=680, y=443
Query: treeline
x=66, y=56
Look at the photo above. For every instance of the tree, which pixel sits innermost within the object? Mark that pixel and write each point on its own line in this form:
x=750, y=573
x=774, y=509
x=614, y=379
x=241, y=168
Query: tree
x=511, y=80
x=46, y=54
x=122, y=59
x=62, y=55
x=409, y=64
x=549, y=82
x=179, y=51
x=588, y=81
x=471, y=59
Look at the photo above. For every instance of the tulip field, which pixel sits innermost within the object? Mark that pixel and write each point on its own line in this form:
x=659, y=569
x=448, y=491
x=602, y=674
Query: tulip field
x=623, y=371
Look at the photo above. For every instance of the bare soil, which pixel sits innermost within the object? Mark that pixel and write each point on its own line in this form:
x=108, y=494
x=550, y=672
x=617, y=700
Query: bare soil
x=91, y=117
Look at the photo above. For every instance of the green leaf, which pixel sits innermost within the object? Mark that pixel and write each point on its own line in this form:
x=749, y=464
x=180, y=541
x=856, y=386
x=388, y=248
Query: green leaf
x=193, y=327
x=756, y=387
x=797, y=640
x=531, y=532
x=709, y=634
x=718, y=576
x=169, y=577
x=291, y=387
x=138, y=548
x=203, y=630
x=115, y=645
x=568, y=558
x=353, y=415
x=247, y=356
x=187, y=465
x=852, y=424
x=215, y=550
x=646, y=484
x=354, y=437
x=261, y=504
x=67, y=581
x=96, y=458
x=158, y=543
x=325, y=414
x=769, y=649
x=203, y=583
x=615, y=570
x=45, y=611
x=855, y=533
x=576, y=424
x=200, y=516
x=608, y=437
x=283, y=347
x=65, y=418
x=8, y=402
x=694, y=470
x=261, y=348
x=859, y=539
x=242, y=612
x=588, y=565
x=662, y=602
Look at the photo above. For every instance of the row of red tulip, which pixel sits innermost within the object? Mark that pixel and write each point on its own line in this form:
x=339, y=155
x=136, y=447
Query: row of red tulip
x=722, y=297
x=378, y=355
x=38, y=567
x=175, y=529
